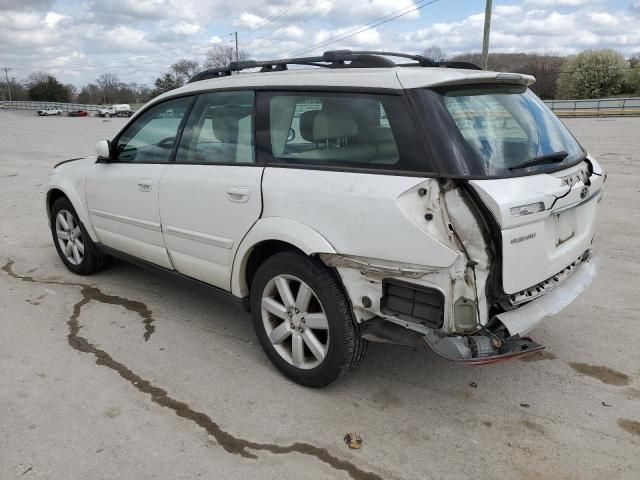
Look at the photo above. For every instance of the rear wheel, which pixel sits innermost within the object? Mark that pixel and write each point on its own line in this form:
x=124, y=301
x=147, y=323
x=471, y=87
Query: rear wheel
x=74, y=245
x=303, y=320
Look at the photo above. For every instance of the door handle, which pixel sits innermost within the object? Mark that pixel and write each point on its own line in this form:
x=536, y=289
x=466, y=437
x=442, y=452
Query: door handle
x=145, y=184
x=238, y=194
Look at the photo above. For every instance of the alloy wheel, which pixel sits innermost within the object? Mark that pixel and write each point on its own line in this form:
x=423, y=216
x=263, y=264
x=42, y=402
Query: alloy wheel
x=295, y=322
x=69, y=237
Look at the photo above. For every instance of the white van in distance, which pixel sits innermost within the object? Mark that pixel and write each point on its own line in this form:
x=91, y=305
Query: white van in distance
x=419, y=203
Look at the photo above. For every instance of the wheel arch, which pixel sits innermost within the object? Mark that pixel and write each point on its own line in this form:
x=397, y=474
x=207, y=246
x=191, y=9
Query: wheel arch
x=57, y=191
x=267, y=237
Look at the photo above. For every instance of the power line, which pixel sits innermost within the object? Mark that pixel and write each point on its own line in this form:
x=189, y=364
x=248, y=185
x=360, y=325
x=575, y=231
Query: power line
x=367, y=26
x=311, y=16
x=269, y=20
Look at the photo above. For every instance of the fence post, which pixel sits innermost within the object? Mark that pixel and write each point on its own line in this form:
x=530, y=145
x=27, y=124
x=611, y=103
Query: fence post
x=624, y=104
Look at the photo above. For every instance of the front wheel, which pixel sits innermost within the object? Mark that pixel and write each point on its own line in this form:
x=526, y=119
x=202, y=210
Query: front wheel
x=73, y=243
x=303, y=320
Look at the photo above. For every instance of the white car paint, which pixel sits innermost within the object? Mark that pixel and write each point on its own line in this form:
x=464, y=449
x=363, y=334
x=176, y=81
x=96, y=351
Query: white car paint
x=50, y=111
x=221, y=207
x=123, y=205
x=205, y=220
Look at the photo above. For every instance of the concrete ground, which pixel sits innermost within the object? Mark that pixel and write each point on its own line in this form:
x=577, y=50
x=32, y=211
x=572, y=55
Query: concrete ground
x=84, y=396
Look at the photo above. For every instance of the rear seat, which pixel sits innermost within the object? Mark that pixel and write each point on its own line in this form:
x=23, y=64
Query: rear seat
x=331, y=129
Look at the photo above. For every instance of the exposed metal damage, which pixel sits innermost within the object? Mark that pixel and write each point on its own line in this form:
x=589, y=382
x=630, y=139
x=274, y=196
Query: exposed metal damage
x=480, y=324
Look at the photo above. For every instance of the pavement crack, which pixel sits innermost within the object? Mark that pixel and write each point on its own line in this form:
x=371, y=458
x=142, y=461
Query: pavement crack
x=94, y=293
x=229, y=442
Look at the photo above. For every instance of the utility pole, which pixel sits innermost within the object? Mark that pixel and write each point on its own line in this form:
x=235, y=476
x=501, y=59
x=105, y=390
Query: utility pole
x=6, y=74
x=237, y=53
x=487, y=34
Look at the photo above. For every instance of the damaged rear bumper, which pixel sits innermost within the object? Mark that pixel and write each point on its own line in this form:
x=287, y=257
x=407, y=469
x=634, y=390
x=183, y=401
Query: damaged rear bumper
x=485, y=347
x=480, y=349
x=523, y=319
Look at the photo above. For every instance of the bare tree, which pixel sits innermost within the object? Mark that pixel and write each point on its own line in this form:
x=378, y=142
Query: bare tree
x=546, y=68
x=109, y=84
x=184, y=69
x=435, y=54
x=220, y=56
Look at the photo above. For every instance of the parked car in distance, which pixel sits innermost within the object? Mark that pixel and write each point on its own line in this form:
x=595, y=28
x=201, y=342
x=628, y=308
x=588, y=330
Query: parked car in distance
x=50, y=111
x=421, y=203
x=119, y=110
x=78, y=113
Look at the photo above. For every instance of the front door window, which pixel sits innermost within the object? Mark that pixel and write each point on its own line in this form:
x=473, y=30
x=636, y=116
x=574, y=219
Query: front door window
x=151, y=137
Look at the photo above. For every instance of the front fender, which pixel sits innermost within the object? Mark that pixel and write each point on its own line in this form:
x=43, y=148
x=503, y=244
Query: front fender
x=71, y=184
x=292, y=232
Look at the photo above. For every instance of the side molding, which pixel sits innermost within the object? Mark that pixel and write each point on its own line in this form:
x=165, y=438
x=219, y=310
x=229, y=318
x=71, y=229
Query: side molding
x=274, y=228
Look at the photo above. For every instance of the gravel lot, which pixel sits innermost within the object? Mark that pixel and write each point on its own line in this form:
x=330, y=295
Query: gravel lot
x=67, y=412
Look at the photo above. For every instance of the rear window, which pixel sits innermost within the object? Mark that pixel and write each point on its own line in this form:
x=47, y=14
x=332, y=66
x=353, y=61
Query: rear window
x=501, y=130
x=342, y=130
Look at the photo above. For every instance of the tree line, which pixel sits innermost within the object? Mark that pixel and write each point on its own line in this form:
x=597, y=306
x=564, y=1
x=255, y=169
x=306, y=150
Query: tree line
x=590, y=74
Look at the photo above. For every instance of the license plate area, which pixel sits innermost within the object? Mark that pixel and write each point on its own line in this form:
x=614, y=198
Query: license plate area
x=565, y=224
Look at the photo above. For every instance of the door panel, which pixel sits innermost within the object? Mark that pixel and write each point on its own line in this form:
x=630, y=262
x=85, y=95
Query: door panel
x=122, y=195
x=202, y=224
x=123, y=216
x=210, y=198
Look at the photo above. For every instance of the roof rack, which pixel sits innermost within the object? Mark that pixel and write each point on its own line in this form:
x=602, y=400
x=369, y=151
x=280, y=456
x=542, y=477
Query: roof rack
x=331, y=59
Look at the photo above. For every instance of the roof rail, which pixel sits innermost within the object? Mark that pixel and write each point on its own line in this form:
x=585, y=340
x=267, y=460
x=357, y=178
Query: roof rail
x=331, y=59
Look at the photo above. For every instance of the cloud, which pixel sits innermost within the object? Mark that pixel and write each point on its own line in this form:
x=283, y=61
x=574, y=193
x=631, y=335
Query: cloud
x=557, y=3
x=31, y=5
x=138, y=39
x=522, y=29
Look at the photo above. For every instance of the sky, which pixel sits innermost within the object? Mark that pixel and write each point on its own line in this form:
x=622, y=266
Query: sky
x=77, y=40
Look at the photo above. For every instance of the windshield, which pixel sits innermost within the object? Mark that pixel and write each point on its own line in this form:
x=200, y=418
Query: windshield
x=502, y=130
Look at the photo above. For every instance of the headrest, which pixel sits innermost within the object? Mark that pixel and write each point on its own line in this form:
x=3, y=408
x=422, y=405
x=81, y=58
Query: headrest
x=331, y=123
x=306, y=124
x=224, y=121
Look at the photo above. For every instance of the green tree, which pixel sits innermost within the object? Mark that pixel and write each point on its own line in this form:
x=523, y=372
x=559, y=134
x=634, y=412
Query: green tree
x=47, y=88
x=166, y=82
x=593, y=74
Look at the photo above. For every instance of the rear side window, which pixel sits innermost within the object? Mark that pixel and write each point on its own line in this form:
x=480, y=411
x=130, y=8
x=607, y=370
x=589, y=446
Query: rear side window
x=219, y=130
x=341, y=130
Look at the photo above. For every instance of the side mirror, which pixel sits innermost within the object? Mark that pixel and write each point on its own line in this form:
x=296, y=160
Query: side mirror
x=103, y=151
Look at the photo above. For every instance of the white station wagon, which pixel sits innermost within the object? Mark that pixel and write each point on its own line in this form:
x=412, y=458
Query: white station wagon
x=413, y=203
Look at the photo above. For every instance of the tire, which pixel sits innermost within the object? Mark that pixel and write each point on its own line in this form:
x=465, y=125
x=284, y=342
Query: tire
x=82, y=261
x=323, y=324
x=108, y=115
x=59, y=114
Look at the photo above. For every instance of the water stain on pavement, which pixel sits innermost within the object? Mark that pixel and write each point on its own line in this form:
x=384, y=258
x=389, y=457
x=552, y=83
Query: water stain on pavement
x=384, y=399
x=632, y=392
x=534, y=427
x=604, y=374
x=631, y=426
x=94, y=294
x=160, y=396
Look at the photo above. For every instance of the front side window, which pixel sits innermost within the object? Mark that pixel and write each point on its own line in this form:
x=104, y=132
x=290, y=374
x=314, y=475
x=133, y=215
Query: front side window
x=219, y=130
x=150, y=138
x=342, y=130
x=503, y=130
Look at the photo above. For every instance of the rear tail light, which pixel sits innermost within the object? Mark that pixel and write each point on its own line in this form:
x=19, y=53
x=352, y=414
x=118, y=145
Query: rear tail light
x=527, y=209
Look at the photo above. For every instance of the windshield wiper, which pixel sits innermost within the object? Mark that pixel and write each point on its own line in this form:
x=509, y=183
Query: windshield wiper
x=555, y=157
